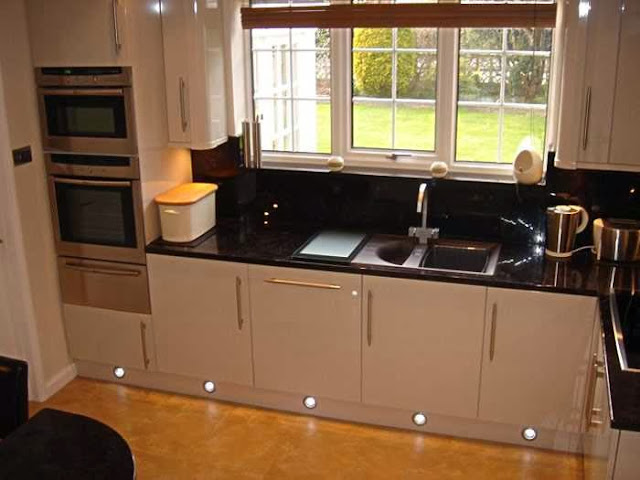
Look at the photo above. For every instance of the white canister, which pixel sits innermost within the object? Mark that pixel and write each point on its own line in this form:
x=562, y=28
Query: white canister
x=187, y=211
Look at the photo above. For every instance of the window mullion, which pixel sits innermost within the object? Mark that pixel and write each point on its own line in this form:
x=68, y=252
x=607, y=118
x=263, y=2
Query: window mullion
x=446, y=94
x=340, y=91
x=394, y=84
x=503, y=85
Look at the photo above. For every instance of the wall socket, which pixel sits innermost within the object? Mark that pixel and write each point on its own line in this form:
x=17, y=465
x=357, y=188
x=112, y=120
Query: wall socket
x=22, y=156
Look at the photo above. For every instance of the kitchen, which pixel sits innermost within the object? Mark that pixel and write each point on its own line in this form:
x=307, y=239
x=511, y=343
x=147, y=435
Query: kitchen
x=309, y=266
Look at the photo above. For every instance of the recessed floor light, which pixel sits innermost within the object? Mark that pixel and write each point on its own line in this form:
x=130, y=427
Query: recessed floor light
x=419, y=419
x=119, y=372
x=310, y=402
x=209, y=386
x=529, y=434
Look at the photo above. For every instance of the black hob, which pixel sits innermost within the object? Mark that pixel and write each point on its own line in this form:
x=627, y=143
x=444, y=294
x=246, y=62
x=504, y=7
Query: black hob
x=626, y=322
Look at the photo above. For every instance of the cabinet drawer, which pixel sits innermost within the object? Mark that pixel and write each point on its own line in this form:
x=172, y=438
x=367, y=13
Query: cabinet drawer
x=115, y=286
x=110, y=337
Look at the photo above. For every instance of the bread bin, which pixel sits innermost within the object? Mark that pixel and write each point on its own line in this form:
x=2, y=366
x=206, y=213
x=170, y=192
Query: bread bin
x=187, y=211
x=617, y=239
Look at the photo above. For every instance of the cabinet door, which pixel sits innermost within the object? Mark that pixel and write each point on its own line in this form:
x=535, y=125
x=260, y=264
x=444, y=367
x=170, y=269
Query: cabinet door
x=422, y=345
x=626, y=111
x=175, y=33
x=110, y=337
x=77, y=32
x=535, y=356
x=201, y=317
x=306, y=331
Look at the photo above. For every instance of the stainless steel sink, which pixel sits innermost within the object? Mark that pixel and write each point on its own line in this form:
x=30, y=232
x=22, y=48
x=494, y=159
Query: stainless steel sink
x=477, y=258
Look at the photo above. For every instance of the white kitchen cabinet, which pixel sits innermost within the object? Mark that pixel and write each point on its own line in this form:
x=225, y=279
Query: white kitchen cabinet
x=194, y=73
x=78, y=32
x=422, y=345
x=110, y=337
x=306, y=331
x=533, y=369
x=600, y=102
x=201, y=318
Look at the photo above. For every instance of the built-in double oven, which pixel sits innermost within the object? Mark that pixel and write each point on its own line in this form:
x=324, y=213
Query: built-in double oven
x=88, y=134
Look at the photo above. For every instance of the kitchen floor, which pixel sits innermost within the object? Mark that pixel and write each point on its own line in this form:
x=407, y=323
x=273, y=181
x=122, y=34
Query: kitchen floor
x=178, y=437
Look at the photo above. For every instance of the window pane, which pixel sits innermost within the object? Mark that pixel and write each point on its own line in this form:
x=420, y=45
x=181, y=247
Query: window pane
x=372, y=74
x=479, y=77
x=481, y=38
x=522, y=128
x=292, y=88
x=372, y=124
x=417, y=75
x=312, y=126
x=398, y=66
x=503, y=84
x=277, y=128
x=477, y=137
x=415, y=127
x=527, y=79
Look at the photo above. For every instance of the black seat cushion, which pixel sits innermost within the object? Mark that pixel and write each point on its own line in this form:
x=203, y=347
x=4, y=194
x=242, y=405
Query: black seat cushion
x=14, y=396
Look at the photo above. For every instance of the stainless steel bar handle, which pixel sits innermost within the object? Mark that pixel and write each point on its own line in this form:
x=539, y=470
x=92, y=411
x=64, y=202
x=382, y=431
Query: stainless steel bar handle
x=183, y=103
x=587, y=117
x=492, y=341
x=143, y=341
x=257, y=144
x=596, y=371
x=116, y=29
x=83, y=92
x=247, y=143
x=239, y=302
x=296, y=283
x=92, y=183
x=103, y=271
x=369, y=317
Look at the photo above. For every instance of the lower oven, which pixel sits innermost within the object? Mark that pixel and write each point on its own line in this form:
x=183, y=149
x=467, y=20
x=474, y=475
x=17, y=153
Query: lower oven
x=98, y=219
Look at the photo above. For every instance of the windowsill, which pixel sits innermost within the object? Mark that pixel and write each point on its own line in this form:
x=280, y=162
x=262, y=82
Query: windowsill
x=400, y=168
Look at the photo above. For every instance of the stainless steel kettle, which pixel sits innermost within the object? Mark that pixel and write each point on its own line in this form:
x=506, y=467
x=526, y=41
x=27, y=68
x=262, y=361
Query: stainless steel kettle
x=564, y=222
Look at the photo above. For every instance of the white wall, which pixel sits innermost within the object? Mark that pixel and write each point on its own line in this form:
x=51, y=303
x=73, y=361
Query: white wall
x=31, y=189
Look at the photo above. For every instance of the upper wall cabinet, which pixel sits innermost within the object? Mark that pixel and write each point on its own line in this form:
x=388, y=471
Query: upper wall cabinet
x=600, y=106
x=78, y=32
x=194, y=71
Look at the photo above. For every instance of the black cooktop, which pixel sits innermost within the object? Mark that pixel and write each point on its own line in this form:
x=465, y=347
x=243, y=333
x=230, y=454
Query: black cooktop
x=626, y=323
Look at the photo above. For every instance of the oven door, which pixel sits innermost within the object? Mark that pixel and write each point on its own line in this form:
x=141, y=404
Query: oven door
x=98, y=219
x=88, y=120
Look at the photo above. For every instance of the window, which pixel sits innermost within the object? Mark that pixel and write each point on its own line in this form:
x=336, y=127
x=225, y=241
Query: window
x=401, y=97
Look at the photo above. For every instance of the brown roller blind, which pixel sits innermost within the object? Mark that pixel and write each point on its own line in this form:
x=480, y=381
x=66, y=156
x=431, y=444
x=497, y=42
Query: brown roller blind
x=444, y=15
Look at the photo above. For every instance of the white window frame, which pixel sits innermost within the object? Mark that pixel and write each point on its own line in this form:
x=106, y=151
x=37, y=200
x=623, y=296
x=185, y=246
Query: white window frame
x=406, y=163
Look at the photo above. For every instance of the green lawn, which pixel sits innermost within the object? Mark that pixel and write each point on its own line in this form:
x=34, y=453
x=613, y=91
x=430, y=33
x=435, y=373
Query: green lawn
x=415, y=130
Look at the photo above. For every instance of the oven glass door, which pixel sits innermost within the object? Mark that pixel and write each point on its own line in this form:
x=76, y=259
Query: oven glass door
x=96, y=212
x=96, y=113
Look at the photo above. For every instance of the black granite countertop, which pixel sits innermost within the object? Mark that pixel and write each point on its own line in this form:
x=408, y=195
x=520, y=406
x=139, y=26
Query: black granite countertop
x=624, y=386
x=519, y=266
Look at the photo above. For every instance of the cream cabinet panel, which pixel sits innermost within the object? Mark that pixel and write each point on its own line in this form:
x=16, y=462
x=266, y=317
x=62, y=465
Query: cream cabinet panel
x=422, y=345
x=194, y=73
x=78, y=32
x=536, y=348
x=201, y=317
x=626, y=111
x=306, y=331
x=110, y=337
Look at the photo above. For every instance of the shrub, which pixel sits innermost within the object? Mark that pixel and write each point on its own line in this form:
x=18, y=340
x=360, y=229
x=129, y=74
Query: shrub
x=372, y=70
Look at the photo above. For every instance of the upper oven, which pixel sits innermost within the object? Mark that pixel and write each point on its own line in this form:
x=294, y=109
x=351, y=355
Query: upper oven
x=87, y=110
x=98, y=219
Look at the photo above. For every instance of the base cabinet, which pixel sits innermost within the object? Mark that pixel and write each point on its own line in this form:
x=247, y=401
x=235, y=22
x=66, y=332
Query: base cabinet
x=306, y=331
x=533, y=369
x=110, y=337
x=422, y=345
x=201, y=317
